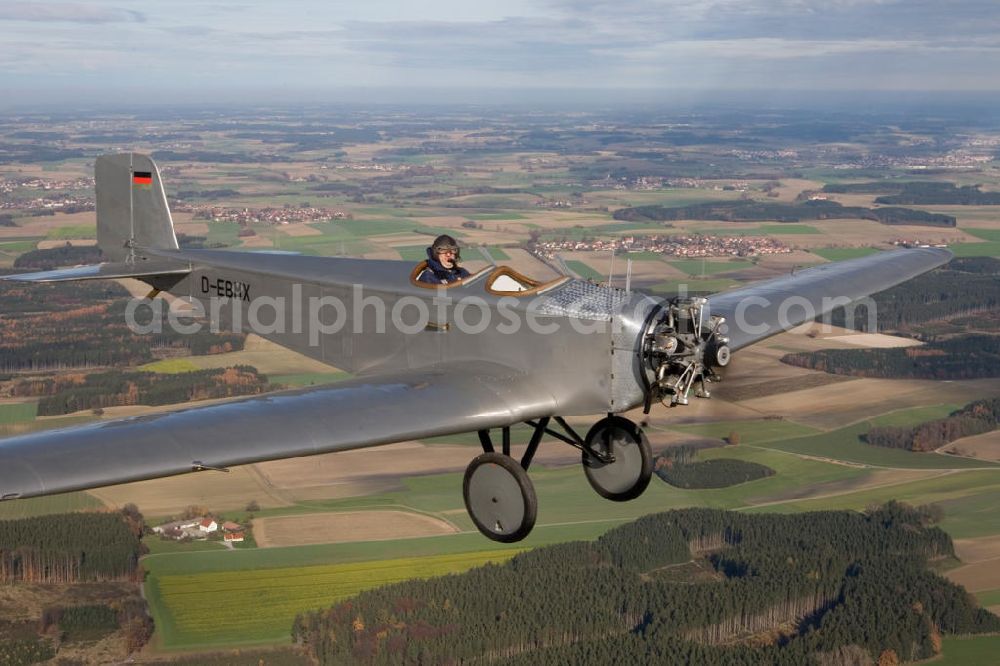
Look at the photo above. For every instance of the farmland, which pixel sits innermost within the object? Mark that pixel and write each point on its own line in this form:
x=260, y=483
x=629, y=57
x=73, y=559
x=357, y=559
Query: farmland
x=241, y=607
x=484, y=181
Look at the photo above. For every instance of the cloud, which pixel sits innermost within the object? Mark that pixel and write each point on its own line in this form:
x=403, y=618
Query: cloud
x=67, y=12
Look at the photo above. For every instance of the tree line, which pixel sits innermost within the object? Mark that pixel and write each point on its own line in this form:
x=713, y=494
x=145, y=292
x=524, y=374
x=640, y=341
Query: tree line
x=842, y=580
x=919, y=193
x=962, y=357
x=67, y=394
x=973, y=419
x=760, y=211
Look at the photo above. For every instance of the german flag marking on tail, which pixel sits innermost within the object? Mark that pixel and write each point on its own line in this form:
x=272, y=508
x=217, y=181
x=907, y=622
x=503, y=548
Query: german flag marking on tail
x=142, y=178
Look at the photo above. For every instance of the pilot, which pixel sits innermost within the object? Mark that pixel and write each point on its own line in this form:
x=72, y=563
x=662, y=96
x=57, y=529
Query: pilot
x=442, y=262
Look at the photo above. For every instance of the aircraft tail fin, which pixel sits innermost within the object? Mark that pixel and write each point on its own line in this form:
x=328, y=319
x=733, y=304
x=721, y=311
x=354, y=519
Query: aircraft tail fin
x=132, y=209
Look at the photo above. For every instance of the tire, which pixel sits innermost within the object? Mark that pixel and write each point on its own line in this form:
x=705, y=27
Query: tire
x=628, y=476
x=500, y=497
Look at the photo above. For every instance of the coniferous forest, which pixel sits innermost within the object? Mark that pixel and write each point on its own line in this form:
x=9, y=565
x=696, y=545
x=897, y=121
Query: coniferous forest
x=963, y=286
x=70, y=548
x=83, y=325
x=779, y=589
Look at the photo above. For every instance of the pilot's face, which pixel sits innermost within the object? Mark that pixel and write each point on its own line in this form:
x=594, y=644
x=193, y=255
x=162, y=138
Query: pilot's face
x=446, y=258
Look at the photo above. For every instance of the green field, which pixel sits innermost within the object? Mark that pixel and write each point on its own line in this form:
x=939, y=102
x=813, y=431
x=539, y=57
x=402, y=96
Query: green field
x=414, y=253
x=989, y=598
x=17, y=247
x=170, y=366
x=967, y=497
x=158, y=546
x=225, y=233
x=43, y=506
x=584, y=271
x=985, y=234
x=914, y=416
x=789, y=229
x=845, y=444
x=700, y=267
x=975, y=651
x=73, y=232
x=711, y=286
x=842, y=253
x=498, y=254
x=487, y=217
x=376, y=227
x=990, y=249
x=18, y=413
x=732, y=231
x=751, y=432
x=240, y=607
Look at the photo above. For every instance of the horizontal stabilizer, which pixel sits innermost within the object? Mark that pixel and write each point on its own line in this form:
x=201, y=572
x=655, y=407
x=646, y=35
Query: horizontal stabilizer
x=109, y=271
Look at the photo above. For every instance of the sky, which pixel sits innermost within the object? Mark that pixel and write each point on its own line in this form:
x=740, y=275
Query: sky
x=197, y=51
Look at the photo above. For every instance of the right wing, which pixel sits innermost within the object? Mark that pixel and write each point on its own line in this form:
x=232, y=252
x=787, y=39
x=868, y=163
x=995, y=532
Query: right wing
x=758, y=311
x=441, y=400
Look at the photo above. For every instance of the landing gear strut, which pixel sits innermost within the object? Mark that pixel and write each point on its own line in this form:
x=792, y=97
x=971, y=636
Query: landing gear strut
x=500, y=497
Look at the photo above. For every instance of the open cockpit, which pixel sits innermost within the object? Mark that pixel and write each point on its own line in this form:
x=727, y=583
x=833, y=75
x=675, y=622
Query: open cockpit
x=498, y=280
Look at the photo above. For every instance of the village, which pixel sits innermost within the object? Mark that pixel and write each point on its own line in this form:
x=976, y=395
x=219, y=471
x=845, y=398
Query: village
x=269, y=215
x=671, y=246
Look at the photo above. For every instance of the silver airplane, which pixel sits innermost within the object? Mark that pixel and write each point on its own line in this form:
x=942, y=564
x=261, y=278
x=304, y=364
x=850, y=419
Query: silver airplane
x=480, y=355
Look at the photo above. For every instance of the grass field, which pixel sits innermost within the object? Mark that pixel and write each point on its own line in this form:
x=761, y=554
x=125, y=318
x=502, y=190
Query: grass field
x=988, y=249
x=975, y=651
x=985, y=234
x=699, y=267
x=733, y=231
x=228, y=608
x=17, y=247
x=691, y=286
x=789, y=229
x=43, y=506
x=158, y=546
x=18, y=413
x=489, y=217
x=989, y=598
x=226, y=233
x=73, y=232
x=376, y=227
x=968, y=499
x=845, y=444
x=170, y=366
x=914, y=416
x=584, y=271
x=842, y=253
x=751, y=432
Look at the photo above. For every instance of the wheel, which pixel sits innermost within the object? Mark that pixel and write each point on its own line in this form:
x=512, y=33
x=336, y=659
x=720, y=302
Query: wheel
x=499, y=497
x=627, y=477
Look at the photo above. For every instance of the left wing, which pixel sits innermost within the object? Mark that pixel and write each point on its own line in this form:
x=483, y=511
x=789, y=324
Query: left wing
x=441, y=400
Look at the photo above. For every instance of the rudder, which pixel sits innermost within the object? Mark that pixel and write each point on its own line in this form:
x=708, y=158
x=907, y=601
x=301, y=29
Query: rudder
x=132, y=209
